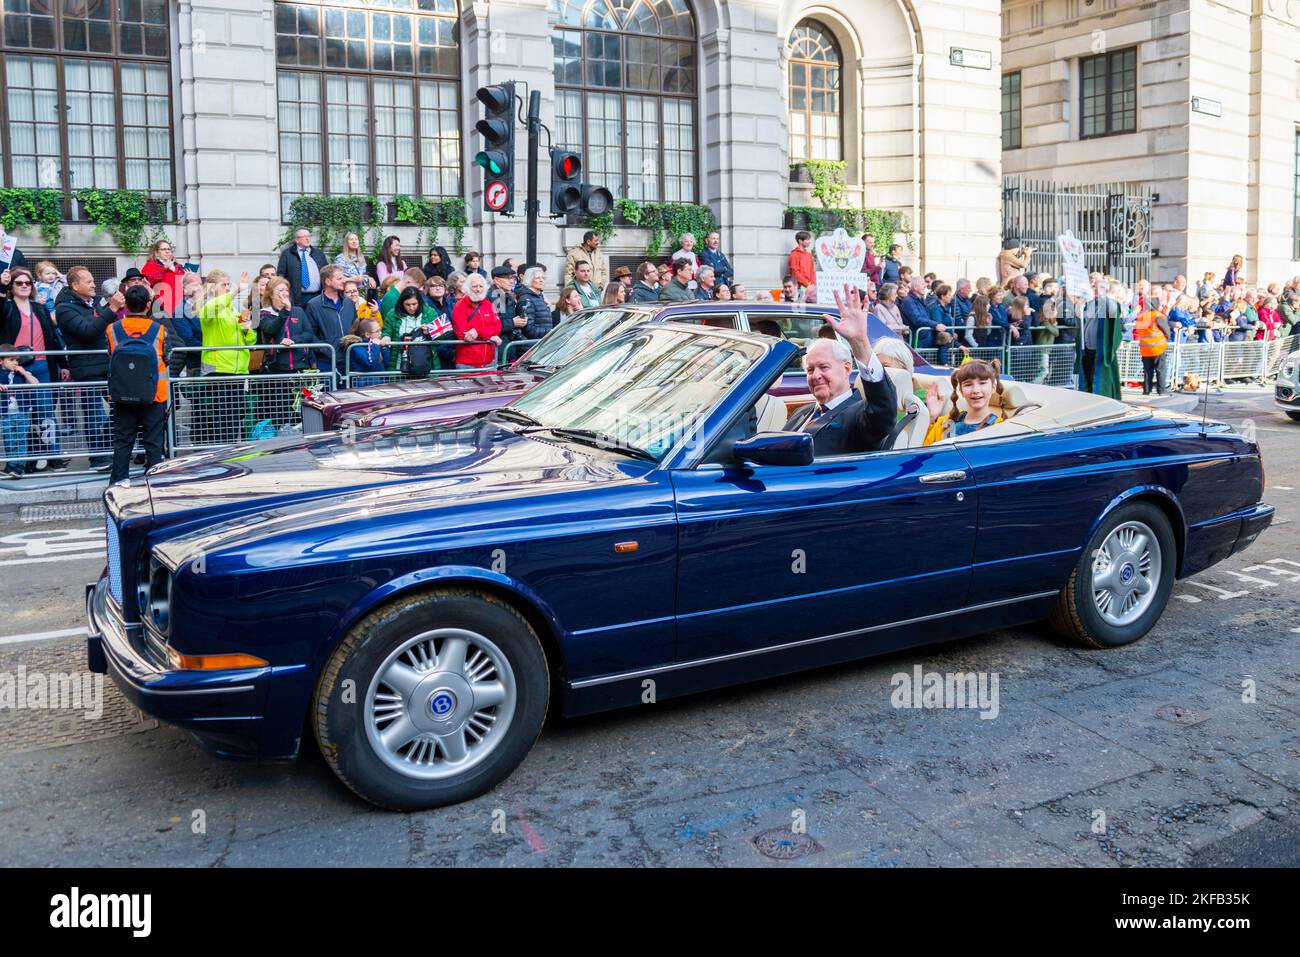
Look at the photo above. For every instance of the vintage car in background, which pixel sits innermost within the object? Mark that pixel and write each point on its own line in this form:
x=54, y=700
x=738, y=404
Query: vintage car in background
x=418, y=598
x=447, y=396
x=1286, y=389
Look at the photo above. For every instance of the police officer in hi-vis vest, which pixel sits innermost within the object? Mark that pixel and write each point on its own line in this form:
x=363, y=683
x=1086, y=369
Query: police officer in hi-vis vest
x=137, y=383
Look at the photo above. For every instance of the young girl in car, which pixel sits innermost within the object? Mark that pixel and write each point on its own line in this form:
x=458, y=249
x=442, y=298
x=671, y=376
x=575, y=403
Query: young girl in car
x=976, y=381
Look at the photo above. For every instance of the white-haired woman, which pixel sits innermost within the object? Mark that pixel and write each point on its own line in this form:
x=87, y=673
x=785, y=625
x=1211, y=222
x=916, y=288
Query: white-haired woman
x=533, y=305
x=895, y=354
x=476, y=322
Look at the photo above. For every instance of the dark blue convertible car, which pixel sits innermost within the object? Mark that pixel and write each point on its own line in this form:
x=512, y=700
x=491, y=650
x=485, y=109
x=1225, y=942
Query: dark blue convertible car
x=634, y=527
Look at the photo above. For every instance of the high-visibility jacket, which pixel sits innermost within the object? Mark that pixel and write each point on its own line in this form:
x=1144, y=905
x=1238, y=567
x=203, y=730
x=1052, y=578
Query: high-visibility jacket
x=1151, y=339
x=137, y=326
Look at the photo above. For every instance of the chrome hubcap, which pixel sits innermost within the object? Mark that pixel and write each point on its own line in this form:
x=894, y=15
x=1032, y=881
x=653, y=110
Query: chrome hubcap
x=1125, y=573
x=440, y=703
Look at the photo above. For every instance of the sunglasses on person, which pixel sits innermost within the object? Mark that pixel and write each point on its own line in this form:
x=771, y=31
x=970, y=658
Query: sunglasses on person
x=21, y=282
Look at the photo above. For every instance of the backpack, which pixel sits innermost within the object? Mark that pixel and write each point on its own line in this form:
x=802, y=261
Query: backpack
x=417, y=360
x=133, y=365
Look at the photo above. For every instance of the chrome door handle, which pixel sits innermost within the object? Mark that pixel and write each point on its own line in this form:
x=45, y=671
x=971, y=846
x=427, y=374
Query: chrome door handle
x=938, y=478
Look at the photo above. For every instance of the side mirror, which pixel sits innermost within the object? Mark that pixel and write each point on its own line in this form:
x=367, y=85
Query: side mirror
x=776, y=448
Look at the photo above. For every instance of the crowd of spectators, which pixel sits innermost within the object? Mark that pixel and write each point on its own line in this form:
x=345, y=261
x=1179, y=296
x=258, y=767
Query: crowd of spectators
x=313, y=313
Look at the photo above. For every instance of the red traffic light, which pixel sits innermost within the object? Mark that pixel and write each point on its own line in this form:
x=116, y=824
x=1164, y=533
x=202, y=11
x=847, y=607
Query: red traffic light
x=565, y=165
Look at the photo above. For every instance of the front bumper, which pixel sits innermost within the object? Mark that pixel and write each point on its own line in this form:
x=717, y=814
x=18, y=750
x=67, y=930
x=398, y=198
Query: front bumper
x=224, y=710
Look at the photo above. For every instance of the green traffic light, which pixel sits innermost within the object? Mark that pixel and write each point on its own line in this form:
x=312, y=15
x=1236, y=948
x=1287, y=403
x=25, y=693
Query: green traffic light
x=489, y=164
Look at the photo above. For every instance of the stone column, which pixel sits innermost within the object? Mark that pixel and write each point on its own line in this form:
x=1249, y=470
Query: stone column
x=229, y=182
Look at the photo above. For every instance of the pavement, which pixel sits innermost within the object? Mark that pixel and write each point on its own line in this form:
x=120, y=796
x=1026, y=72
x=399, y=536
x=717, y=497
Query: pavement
x=1180, y=750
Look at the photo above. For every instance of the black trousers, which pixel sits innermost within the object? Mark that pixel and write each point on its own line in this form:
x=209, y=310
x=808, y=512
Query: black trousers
x=1089, y=362
x=1153, y=374
x=150, y=421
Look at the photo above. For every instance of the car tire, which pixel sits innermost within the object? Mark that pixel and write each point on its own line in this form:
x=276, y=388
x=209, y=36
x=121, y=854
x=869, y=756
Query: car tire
x=466, y=673
x=1104, y=604
x=1294, y=416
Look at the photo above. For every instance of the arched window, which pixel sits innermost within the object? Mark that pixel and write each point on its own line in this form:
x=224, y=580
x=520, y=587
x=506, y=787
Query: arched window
x=814, y=59
x=86, y=95
x=625, y=94
x=369, y=98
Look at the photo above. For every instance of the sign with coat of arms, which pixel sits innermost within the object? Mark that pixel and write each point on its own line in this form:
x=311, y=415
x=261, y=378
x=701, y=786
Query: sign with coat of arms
x=839, y=263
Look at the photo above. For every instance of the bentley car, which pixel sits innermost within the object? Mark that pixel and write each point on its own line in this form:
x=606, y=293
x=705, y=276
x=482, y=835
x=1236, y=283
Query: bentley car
x=636, y=526
x=450, y=395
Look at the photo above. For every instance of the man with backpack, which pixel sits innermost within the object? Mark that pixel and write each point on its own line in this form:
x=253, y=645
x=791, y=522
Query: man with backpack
x=137, y=383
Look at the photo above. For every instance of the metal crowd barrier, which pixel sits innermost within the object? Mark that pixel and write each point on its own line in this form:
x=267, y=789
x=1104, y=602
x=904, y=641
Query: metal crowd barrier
x=1213, y=361
x=506, y=354
x=56, y=419
x=212, y=410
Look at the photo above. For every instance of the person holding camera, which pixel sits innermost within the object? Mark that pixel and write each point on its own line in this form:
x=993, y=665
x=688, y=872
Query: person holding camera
x=1013, y=260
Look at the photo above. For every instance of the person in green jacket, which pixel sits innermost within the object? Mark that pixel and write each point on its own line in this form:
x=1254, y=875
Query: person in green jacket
x=223, y=325
x=411, y=314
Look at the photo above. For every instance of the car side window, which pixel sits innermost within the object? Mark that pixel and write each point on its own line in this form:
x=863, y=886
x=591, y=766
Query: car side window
x=716, y=320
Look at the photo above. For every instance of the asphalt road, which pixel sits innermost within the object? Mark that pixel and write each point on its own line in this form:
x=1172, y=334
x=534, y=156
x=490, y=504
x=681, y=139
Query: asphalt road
x=1146, y=755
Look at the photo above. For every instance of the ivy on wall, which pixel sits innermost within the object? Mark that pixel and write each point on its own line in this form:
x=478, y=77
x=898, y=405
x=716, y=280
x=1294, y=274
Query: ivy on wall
x=430, y=215
x=883, y=224
x=41, y=209
x=331, y=218
x=666, y=221
x=133, y=218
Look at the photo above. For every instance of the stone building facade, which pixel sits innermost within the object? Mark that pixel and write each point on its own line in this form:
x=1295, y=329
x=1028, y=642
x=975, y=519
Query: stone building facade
x=234, y=106
x=1198, y=98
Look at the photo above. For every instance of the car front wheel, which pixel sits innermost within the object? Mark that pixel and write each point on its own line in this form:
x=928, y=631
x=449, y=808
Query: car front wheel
x=1123, y=579
x=432, y=699
x=1295, y=416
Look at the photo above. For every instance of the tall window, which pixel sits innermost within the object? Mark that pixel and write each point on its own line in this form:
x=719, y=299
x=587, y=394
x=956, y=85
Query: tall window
x=86, y=96
x=1108, y=86
x=814, y=60
x=1011, y=111
x=369, y=98
x=1295, y=209
x=625, y=94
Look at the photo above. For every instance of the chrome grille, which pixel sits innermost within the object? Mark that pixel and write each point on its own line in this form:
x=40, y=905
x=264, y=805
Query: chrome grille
x=114, y=547
x=312, y=422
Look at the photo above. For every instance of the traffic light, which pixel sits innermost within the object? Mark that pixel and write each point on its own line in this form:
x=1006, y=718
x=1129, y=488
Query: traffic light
x=568, y=194
x=566, y=191
x=498, y=155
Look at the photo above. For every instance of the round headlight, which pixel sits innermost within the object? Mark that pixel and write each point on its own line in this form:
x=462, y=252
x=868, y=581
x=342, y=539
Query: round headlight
x=160, y=595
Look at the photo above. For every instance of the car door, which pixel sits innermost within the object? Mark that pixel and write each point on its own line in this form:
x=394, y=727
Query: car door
x=771, y=555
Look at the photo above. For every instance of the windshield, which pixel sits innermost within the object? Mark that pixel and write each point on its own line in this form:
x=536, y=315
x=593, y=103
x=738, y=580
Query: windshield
x=575, y=336
x=643, y=390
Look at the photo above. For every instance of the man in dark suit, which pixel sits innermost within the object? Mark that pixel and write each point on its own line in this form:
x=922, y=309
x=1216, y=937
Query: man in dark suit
x=301, y=264
x=845, y=420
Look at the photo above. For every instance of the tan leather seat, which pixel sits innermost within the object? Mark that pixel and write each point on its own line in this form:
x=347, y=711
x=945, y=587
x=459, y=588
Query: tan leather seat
x=914, y=433
x=771, y=414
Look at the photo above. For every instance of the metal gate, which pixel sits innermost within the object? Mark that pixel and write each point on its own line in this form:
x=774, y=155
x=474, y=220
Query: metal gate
x=1112, y=220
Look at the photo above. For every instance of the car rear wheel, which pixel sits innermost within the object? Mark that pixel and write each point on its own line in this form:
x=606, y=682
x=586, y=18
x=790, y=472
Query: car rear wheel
x=1123, y=579
x=432, y=699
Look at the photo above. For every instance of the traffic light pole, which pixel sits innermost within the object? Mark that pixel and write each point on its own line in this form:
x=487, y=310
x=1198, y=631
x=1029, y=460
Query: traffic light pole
x=532, y=207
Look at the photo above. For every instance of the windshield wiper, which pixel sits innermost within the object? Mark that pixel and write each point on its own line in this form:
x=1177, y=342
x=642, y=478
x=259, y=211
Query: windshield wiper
x=599, y=440
x=513, y=414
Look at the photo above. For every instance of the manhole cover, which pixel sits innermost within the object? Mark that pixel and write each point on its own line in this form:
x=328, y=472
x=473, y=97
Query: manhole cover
x=57, y=671
x=782, y=844
x=1181, y=715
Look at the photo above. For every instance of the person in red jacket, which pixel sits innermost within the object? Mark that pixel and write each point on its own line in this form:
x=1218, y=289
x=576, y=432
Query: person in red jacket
x=475, y=321
x=162, y=270
x=801, y=260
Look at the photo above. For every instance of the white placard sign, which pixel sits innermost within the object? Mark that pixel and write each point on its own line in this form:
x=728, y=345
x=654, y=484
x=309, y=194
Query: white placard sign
x=1076, y=270
x=7, y=246
x=839, y=263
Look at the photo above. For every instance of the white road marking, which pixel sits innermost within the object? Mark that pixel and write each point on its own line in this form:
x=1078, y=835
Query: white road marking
x=1223, y=593
x=1189, y=598
x=1250, y=578
x=41, y=636
x=53, y=558
x=1284, y=488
